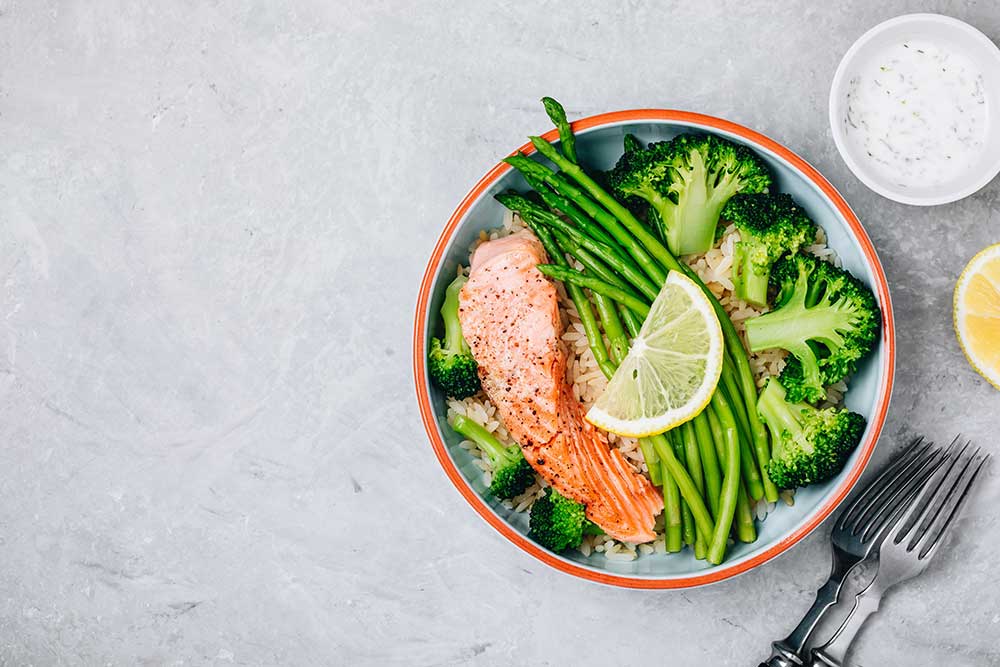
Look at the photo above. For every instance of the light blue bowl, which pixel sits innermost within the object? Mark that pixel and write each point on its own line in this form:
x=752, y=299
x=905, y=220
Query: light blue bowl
x=599, y=145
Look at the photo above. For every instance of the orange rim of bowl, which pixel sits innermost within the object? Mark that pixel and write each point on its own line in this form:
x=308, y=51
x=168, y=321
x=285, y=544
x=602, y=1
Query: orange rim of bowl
x=721, y=572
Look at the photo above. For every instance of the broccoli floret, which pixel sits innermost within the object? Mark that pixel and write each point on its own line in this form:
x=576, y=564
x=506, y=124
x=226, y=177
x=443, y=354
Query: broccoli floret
x=825, y=317
x=808, y=445
x=631, y=143
x=512, y=474
x=450, y=361
x=558, y=523
x=686, y=182
x=770, y=225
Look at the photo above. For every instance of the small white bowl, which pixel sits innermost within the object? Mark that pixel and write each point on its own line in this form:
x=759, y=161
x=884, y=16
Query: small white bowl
x=960, y=38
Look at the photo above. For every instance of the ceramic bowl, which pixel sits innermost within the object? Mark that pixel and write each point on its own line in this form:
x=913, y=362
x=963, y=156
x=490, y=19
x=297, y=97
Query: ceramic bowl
x=599, y=145
x=958, y=37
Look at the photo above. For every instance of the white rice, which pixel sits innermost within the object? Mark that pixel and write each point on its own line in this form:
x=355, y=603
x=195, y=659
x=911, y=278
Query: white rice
x=588, y=382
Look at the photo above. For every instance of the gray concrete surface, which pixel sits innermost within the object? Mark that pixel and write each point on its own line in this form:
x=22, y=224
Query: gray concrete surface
x=213, y=220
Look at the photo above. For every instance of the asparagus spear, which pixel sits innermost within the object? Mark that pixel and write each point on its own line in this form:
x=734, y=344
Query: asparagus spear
x=594, y=285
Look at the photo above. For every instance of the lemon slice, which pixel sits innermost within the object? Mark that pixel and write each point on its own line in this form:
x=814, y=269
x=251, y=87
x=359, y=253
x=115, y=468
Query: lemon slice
x=672, y=368
x=977, y=313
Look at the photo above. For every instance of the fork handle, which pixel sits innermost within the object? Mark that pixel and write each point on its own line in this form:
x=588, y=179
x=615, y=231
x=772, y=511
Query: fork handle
x=832, y=653
x=786, y=652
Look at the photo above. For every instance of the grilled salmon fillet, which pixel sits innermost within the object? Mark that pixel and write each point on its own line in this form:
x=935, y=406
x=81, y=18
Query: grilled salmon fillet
x=510, y=317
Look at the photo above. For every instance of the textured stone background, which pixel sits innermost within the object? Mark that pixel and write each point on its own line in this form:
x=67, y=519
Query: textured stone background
x=213, y=220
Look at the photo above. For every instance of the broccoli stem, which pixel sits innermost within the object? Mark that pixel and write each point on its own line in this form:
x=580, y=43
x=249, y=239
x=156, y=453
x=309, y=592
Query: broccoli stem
x=485, y=440
x=709, y=460
x=453, y=339
x=780, y=417
x=671, y=511
x=594, y=285
x=749, y=281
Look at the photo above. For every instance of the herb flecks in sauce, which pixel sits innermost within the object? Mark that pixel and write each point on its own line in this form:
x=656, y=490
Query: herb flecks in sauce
x=929, y=125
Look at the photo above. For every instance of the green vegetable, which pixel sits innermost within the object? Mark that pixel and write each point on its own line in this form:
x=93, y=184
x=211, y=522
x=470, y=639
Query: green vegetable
x=631, y=143
x=649, y=254
x=577, y=240
x=770, y=225
x=686, y=182
x=558, y=523
x=450, y=362
x=810, y=445
x=825, y=317
x=512, y=474
x=576, y=293
x=557, y=115
x=672, y=515
x=575, y=277
x=729, y=495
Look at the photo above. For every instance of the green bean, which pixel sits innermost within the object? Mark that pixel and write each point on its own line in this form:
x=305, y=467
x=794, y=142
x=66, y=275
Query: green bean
x=617, y=340
x=590, y=326
x=631, y=320
x=728, y=499
x=687, y=519
x=692, y=456
x=762, y=452
x=594, y=285
x=604, y=252
x=565, y=206
x=671, y=511
x=652, y=461
x=702, y=519
x=529, y=167
x=744, y=526
x=709, y=460
x=592, y=264
x=745, y=530
x=751, y=475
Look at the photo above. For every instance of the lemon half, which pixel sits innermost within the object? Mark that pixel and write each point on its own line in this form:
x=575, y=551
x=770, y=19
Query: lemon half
x=672, y=368
x=977, y=313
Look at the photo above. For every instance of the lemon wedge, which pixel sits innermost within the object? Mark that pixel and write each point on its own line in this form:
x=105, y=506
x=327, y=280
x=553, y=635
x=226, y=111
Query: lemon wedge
x=672, y=368
x=977, y=313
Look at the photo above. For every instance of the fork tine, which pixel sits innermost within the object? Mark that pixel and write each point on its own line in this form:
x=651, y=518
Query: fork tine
x=916, y=449
x=902, y=494
x=927, y=551
x=919, y=509
x=941, y=499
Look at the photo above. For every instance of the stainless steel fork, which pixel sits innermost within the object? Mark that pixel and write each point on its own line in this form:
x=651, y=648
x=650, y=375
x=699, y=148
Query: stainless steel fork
x=915, y=538
x=856, y=534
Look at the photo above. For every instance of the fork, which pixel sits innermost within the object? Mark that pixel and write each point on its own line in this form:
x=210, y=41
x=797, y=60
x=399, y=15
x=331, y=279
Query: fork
x=856, y=534
x=916, y=536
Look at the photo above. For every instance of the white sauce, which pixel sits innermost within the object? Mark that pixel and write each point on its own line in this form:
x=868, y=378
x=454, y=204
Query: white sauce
x=918, y=113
